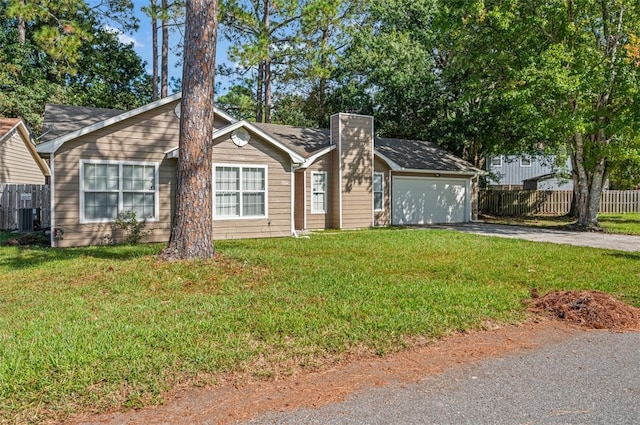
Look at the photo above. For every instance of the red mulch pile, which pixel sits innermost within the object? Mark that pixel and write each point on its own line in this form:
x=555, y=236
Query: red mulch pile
x=591, y=309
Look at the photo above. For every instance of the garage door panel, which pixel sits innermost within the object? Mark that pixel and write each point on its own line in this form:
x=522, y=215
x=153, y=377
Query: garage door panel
x=428, y=200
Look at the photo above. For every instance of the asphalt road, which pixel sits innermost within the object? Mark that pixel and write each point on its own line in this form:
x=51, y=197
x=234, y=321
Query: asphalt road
x=589, y=378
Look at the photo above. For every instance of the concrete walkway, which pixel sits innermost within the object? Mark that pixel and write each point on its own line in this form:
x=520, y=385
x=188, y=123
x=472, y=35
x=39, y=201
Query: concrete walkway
x=537, y=234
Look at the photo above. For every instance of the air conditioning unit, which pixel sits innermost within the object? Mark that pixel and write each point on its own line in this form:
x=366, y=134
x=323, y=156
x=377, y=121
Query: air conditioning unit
x=28, y=219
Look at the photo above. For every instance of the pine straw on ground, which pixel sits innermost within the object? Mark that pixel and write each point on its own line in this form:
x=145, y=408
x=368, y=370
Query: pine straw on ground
x=591, y=309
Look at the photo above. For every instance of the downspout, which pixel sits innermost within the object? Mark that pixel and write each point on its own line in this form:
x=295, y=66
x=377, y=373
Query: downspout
x=52, y=199
x=293, y=199
x=390, y=211
x=468, y=206
x=373, y=172
x=304, y=199
x=339, y=171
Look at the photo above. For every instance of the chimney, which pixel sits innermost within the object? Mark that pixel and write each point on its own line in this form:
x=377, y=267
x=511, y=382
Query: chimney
x=353, y=164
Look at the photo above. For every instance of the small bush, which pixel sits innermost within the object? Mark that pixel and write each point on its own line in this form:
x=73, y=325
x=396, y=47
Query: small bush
x=133, y=228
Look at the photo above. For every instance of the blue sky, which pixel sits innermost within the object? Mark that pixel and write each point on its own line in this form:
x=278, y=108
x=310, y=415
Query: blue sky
x=142, y=42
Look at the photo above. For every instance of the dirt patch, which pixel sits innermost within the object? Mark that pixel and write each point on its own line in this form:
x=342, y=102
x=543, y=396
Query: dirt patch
x=592, y=309
x=239, y=398
x=28, y=240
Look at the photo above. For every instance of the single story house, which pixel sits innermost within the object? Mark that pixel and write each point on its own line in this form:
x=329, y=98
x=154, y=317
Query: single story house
x=20, y=163
x=528, y=172
x=268, y=180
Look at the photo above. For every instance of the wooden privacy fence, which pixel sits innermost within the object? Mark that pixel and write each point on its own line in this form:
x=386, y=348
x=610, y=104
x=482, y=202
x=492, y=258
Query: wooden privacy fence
x=14, y=197
x=551, y=202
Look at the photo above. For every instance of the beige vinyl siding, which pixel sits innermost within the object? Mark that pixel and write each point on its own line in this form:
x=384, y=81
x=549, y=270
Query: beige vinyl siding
x=383, y=218
x=317, y=221
x=300, y=192
x=18, y=163
x=356, y=156
x=143, y=138
x=146, y=138
x=278, y=219
x=333, y=203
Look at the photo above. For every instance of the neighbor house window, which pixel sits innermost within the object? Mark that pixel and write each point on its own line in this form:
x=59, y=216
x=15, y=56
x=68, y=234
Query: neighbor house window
x=496, y=161
x=108, y=188
x=319, y=192
x=240, y=191
x=378, y=191
x=525, y=161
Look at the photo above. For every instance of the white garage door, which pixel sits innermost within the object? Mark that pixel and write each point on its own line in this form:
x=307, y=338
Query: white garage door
x=422, y=200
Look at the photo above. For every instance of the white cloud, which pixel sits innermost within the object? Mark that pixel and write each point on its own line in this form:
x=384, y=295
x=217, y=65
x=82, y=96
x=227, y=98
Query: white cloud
x=124, y=38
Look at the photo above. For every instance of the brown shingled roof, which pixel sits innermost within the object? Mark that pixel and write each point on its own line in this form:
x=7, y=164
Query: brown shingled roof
x=407, y=154
x=304, y=141
x=7, y=124
x=421, y=155
x=62, y=119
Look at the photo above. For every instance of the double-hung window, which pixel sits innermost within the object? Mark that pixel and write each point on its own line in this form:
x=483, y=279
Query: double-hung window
x=240, y=191
x=319, y=192
x=108, y=188
x=378, y=191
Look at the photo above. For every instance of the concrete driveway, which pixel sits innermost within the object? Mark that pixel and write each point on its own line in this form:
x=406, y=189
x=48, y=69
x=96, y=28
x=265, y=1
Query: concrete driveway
x=536, y=234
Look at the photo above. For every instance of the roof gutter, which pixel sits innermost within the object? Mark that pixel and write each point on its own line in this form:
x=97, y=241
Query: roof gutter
x=459, y=173
x=309, y=161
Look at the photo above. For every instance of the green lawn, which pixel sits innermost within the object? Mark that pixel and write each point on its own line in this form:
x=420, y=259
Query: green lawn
x=98, y=328
x=628, y=223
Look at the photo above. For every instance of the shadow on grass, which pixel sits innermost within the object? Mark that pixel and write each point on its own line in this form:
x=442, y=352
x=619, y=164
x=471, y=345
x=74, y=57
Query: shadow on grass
x=625, y=255
x=26, y=257
x=620, y=221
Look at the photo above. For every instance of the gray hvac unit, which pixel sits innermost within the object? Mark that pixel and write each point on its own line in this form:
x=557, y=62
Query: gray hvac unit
x=28, y=219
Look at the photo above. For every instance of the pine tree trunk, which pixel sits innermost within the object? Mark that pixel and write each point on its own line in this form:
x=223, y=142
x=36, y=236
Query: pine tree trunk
x=164, y=84
x=192, y=228
x=22, y=28
x=266, y=71
x=259, y=95
x=322, y=83
x=267, y=91
x=154, y=38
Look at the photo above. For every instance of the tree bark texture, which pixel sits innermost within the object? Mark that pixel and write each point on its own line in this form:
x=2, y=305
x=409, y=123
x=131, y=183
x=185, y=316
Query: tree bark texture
x=164, y=84
x=192, y=229
x=267, y=64
x=154, y=38
x=22, y=28
x=588, y=181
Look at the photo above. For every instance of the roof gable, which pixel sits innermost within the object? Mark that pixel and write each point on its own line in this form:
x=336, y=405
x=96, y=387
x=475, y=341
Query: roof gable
x=7, y=127
x=173, y=153
x=51, y=146
x=305, y=141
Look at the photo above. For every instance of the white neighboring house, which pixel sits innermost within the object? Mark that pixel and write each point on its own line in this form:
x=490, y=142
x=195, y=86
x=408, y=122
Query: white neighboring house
x=529, y=172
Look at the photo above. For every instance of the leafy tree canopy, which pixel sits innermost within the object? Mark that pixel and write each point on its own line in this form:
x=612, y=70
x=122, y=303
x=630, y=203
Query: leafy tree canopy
x=67, y=57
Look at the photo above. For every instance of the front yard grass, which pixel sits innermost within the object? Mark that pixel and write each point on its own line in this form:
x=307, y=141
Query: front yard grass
x=112, y=327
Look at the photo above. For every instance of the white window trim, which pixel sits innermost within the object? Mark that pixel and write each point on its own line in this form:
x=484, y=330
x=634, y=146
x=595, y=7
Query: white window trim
x=156, y=191
x=499, y=158
x=326, y=188
x=241, y=217
x=525, y=157
x=374, y=192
